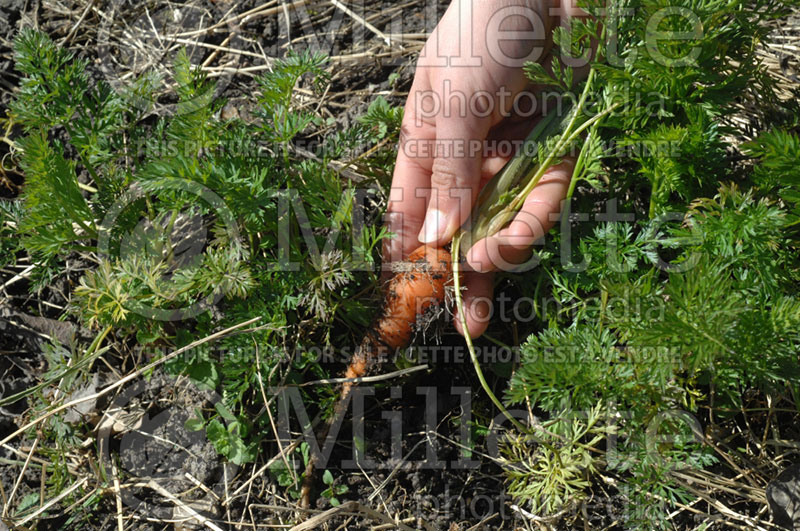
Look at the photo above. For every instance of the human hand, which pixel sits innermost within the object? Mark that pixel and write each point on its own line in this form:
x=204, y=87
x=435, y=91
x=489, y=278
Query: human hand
x=470, y=101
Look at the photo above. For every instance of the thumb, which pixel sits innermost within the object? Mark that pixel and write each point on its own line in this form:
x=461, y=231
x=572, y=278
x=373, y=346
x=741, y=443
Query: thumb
x=455, y=177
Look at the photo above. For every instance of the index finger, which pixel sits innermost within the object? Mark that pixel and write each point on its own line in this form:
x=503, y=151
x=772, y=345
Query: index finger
x=408, y=197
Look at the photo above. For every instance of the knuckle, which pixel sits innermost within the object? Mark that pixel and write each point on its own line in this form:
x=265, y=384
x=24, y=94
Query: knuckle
x=443, y=174
x=406, y=133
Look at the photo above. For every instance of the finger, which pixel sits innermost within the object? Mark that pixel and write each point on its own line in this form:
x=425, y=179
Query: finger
x=478, y=304
x=512, y=130
x=510, y=248
x=504, y=141
x=455, y=175
x=408, y=197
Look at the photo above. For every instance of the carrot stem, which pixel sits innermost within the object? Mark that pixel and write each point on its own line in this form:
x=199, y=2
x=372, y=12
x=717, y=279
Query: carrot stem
x=472, y=354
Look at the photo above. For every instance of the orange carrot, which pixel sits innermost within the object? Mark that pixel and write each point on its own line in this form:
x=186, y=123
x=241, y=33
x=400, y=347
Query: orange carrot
x=418, y=286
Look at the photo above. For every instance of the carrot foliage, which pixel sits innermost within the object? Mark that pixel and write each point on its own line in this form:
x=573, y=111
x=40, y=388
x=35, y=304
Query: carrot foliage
x=173, y=218
x=671, y=287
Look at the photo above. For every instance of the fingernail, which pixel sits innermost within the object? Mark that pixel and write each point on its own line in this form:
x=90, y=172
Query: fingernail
x=435, y=223
x=481, y=309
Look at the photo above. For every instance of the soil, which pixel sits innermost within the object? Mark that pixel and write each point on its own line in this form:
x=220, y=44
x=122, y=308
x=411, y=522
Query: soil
x=152, y=441
x=433, y=476
x=10, y=13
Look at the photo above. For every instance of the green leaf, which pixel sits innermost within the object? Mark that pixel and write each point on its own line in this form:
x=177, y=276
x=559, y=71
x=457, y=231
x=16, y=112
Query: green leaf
x=382, y=116
x=224, y=412
x=194, y=424
x=240, y=453
x=145, y=336
x=205, y=373
x=28, y=502
x=57, y=214
x=536, y=73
